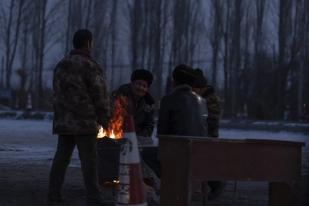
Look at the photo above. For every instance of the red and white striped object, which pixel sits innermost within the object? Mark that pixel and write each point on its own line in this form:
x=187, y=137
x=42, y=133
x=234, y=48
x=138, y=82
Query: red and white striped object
x=131, y=187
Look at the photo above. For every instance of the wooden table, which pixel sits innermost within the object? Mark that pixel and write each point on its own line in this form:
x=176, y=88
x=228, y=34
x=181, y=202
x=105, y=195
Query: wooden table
x=186, y=158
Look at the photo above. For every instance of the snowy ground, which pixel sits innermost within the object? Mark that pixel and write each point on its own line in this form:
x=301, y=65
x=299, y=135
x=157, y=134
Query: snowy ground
x=27, y=148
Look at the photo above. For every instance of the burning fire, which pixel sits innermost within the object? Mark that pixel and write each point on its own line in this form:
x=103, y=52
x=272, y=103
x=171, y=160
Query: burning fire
x=114, y=129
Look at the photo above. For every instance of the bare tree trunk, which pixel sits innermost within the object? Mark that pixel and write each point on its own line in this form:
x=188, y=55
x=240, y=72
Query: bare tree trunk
x=166, y=7
x=43, y=23
x=42, y=47
x=184, y=32
x=300, y=90
x=244, y=76
x=195, y=35
x=8, y=47
x=113, y=36
x=101, y=32
x=304, y=75
x=226, y=63
x=179, y=20
x=236, y=56
x=12, y=30
x=68, y=29
x=16, y=35
x=2, y=73
x=157, y=66
x=24, y=51
x=216, y=36
x=258, y=44
x=136, y=26
x=88, y=14
x=283, y=33
x=154, y=61
x=298, y=53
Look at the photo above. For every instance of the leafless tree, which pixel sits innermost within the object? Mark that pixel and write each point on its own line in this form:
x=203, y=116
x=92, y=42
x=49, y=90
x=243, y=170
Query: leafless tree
x=284, y=34
x=297, y=57
x=179, y=32
x=234, y=13
x=43, y=37
x=113, y=38
x=136, y=28
x=303, y=71
x=24, y=51
x=216, y=35
x=226, y=56
x=161, y=34
x=11, y=34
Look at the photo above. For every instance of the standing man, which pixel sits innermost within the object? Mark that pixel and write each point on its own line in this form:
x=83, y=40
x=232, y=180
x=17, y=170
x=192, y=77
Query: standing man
x=80, y=108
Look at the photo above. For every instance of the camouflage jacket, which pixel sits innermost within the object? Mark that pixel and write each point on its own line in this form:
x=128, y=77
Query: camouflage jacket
x=214, y=111
x=141, y=109
x=81, y=102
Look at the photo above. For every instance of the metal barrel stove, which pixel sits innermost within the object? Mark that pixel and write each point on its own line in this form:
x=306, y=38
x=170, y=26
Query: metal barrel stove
x=108, y=159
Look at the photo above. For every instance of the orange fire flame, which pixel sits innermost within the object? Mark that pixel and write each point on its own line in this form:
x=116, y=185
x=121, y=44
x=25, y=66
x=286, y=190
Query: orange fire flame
x=114, y=129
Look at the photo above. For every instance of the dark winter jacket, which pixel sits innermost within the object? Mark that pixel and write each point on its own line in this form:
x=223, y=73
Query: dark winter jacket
x=81, y=102
x=142, y=109
x=183, y=112
x=214, y=111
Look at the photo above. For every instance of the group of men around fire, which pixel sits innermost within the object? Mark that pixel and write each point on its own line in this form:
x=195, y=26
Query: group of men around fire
x=82, y=105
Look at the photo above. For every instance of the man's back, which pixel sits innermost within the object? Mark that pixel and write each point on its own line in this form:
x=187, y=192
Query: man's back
x=183, y=113
x=79, y=95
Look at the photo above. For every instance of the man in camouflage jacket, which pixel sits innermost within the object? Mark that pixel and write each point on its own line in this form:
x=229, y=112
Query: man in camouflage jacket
x=80, y=108
x=214, y=110
x=206, y=91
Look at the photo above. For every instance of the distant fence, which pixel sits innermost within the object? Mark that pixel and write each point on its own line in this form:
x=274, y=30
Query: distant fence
x=35, y=115
x=265, y=125
x=225, y=123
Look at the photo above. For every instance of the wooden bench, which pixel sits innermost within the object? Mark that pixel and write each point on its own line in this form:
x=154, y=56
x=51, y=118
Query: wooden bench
x=186, y=158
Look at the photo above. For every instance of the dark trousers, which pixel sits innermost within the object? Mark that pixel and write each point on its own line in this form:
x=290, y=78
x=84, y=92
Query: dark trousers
x=151, y=158
x=86, y=145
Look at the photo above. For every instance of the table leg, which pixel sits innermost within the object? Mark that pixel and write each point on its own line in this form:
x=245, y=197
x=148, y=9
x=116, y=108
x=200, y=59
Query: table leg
x=283, y=194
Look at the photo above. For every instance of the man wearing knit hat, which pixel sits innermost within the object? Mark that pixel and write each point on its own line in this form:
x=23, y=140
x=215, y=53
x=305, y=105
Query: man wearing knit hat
x=201, y=87
x=140, y=102
x=182, y=112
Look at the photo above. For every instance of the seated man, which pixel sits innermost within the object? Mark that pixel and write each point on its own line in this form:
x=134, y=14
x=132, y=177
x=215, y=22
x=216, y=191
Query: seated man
x=206, y=91
x=140, y=102
x=202, y=88
x=182, y=112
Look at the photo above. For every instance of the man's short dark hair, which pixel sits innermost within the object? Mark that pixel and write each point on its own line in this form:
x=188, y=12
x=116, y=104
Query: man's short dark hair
x=81, y=37
x=183, y=74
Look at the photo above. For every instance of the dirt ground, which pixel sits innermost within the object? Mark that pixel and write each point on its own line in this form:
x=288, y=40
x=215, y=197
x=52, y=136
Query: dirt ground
x=26, y=151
